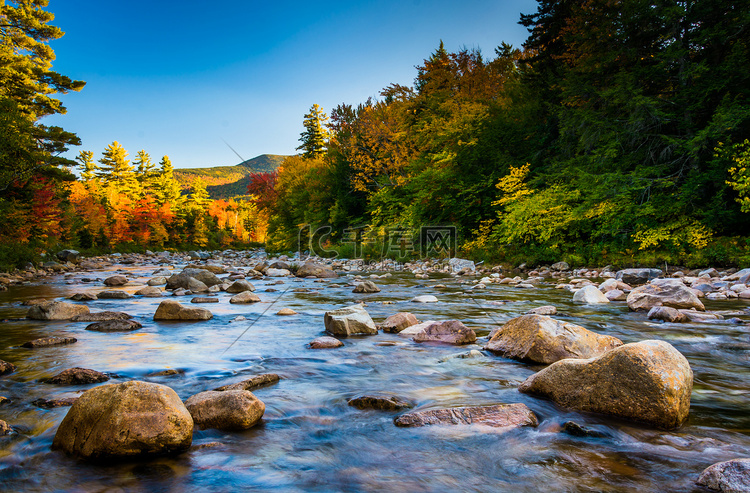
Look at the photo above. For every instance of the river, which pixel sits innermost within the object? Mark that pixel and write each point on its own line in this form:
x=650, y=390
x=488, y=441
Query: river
x=309, y=438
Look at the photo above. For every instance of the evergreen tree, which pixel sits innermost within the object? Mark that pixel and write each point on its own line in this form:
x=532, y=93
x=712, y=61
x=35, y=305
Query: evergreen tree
x=145, y=171
x=199, y=197
x=87, y=165
x=315, y=137
x=166, y=188
x=116, y=170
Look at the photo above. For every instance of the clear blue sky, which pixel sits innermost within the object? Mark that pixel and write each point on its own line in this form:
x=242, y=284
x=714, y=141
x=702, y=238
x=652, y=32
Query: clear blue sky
x=181, y=77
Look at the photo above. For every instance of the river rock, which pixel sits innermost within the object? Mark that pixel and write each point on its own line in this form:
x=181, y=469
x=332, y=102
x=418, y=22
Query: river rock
x=245, y=297
x=315, y=270
x=204, y=299
x=5, y=428
x=157, y=281
x=226, y=410
x=101, y=316
x=701, y=317
x=114, y=326
x=560, y=266
x=449, y=332
x=114, y=294
x=415, y=329
x=172, y=310
x=348, y=321
x=129, y=420
x=56, y=310
x=271, y=272
x=325, y=342
x=49, y=341
x=667, y=314
x=425, y=298
x=616, y=295
x=542, y=339
x=72, y=256
x=543, y=310
x=184, y=280
x=732, y=476
x=459, y=264
x=6, y=367
x=213, y=268
x=54, y=403
x=115, y=281
x=589, y=295
x=205, y=276
x=648, y=382
x=286, y=312
x=506, y=416
x=398, y=322
x=251, y=383
x=240, y=287
x=672, y=293
x=380, y=402
x=637, y=276
x=150, y=292
x=366, y=287
x=83, y=297
x=77, y=376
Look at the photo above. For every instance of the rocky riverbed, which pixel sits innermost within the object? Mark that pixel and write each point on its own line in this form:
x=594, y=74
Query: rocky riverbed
x=336, y=375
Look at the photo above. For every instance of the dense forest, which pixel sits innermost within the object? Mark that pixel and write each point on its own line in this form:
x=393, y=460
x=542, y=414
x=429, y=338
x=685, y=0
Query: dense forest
x=618, y=133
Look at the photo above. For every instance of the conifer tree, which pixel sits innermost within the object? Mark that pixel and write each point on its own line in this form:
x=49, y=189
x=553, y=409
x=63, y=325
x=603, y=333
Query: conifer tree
x=87, y=165
x=144, y=170
x=116, y=170
x=166, y=188
x=315, y=137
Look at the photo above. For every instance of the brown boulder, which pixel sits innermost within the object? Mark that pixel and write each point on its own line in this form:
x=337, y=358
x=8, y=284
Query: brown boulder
x=366, y=287
x=315, y=270
x=150, y=292
x=83, y=297
x=380, y=402
x=667, y=314
x=542, y=339
x=132, y=419
x=49, y=341
x=116, y=281
x=114, y=294
x=77, y=376
x=226, y=410
x=114, y=326
x=239, y=287
x=325, y=342
x=5, y=428
x=56, y=310
x=245, y=297
x=6, y=367
x=54, y=403
x=251, y=383
x=732, y=476
x=398, y=322
x=499, y=416
x=172, y=310
x=648, y=381
x=669, y=292
x=101, y=316
x=449, y=332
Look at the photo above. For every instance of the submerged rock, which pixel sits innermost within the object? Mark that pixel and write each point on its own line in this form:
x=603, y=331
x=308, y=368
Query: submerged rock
x=83, y=297
x=286, y=312
x=348, y=321
x=101, y=316
x=77, y=376
x=6, y=368
x=498, y=416
x=204, y=299
x=56, y=310
x=647, y=381
x=128, y=420
x=398, y=322
x=54, y=403
x=226, y=410
x=732, y=476
x=172, y=310
x=542, y=339
x=449, y=332
x=366, y=287
x=380, y=402
x=425, y=298
x=251, y=383
x=667, y=314
x=114, y=294
x=5, y=428
x=49, y=341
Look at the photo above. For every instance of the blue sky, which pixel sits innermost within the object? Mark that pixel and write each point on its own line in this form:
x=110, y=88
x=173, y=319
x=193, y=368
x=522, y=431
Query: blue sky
x=183, y=77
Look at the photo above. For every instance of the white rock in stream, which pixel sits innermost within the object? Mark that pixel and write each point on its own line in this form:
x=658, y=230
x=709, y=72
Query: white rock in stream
x=425, y=298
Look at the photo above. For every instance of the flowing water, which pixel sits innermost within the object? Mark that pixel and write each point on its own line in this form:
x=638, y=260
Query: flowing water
x=310, y=439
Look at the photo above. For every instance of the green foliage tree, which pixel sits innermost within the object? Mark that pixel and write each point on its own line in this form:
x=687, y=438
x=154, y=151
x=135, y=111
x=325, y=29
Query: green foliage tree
x=166, y=188
x=87, y=165
x=116, y=171
x=145, y=170
x=315, y=137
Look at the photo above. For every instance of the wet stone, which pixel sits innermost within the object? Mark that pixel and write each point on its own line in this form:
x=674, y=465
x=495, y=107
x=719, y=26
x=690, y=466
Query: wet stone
x=115, y=281
x=77, y=376
x=498, y=416
x=114, y=294
x=574, y=429
x=53, y=403
x=204, y=299
x=101, y=316
x=251, y=383
x=166, y=373
x=83, y=297
x=6, y=367
x=114, y=326
x=4, y=400
x=286, y=312
x=5, y=428
x=380, y=402
x=49, y=341
x=325, y=342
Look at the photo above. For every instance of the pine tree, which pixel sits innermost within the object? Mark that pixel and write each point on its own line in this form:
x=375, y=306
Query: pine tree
x=116, y=170
x=145, y=171
x=87, y=165
x=315, y=137
x=166, y=188
x=199, y=197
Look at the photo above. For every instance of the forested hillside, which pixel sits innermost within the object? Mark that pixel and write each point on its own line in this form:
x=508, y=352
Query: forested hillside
x=618, y=132
x=228, y=182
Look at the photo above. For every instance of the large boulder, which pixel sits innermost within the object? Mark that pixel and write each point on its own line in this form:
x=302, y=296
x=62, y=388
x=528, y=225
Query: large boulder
x=504, y=416
x=116, y=280
x=245, y=297
x=648, y=382
x=637, y=276
x=398, y=322
x=325, y=342
x=72, y=256
x=671, y=293
x=127, y=420
x=203, y=275
x=100, y=316
x=732, y=476
x=667, y=314
x=589, y=295
x=114, y=326
x=315, y=270
x=225, y=410
x=449, y=332
x=114, y=294
x=541, y=339
x=366, y=287
x=188, y=278
x=48, y=342
x=459, y=264
x=380, y=402
x=150, y=292
x=172, y=310
x=56, y=310
x=349, y=321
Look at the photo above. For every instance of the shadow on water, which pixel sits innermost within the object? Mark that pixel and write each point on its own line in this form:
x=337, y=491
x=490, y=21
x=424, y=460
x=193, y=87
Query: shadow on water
x=310, y=439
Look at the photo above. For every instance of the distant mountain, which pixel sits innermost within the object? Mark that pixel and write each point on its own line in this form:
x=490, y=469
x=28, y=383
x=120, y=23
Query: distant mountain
x=226, y=182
